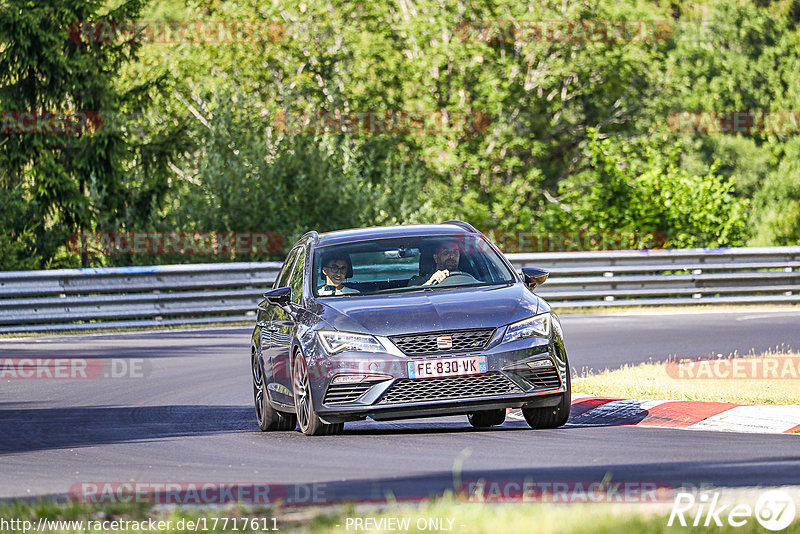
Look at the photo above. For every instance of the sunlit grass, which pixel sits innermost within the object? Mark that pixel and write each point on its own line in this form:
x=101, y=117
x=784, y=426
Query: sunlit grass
x=448, y=514
x=655, y=381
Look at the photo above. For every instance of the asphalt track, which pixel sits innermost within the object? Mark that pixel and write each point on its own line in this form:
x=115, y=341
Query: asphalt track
x=190, y=419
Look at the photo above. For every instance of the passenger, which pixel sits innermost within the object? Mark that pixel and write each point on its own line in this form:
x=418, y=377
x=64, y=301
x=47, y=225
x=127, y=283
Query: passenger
x=446, y=258
x=336, y=269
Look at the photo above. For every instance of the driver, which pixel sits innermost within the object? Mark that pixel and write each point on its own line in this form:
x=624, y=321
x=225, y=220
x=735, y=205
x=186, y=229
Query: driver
x=446, y=257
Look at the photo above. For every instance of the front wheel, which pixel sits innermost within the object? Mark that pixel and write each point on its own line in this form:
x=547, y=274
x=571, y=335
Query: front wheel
x=551, y=416
x=487, y=418
x=309, y=421
x=268, y=417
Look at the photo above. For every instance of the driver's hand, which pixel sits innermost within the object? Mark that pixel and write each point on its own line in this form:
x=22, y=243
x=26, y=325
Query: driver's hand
x=437, y=277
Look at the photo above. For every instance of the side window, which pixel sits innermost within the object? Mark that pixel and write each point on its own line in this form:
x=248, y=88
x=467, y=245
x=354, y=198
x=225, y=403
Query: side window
x=283, y=277
x=297, y=278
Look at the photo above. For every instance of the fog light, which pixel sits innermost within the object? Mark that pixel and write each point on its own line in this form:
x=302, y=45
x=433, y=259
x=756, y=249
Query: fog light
x=540, y=363
x=347, y=379
x=354, y=379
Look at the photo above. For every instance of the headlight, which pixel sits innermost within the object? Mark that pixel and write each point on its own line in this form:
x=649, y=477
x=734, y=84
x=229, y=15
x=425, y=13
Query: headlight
x=538, y=325
x=335, y=342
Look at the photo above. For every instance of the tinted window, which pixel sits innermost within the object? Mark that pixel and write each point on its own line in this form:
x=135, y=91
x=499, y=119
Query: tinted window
x=406, y=264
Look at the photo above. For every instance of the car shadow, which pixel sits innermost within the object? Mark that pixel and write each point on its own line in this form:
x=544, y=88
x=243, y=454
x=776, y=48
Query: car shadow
x=26, y=427
x=384, y=428
x=31, y=429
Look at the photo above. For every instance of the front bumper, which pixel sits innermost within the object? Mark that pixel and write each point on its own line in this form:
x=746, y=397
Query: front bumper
x=387, y=392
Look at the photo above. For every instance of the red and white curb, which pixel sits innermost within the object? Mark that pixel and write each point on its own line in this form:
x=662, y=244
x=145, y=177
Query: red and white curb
x=690, y=415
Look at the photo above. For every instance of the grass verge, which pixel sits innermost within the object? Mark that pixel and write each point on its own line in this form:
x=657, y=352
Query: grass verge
x=769, y=378
x=438, y=515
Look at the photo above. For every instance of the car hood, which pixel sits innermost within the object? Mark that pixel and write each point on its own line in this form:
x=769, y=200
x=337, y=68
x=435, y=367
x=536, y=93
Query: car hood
x=438, y=309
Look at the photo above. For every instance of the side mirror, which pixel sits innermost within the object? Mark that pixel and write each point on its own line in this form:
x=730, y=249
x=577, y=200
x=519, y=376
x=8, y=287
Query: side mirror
x=533, y=276
x=279, y=297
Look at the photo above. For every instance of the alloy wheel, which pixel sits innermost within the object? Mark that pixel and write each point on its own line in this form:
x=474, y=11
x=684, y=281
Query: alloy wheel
x=302, y=400
x=258, y=391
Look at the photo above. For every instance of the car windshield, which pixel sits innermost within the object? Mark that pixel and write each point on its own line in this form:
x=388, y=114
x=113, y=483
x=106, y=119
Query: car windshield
x=407, y=264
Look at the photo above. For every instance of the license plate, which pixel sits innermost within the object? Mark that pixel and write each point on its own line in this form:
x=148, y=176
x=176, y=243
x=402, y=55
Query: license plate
x=468, y=365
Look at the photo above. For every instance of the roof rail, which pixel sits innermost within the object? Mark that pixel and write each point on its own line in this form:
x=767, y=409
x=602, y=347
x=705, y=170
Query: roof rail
x=466, y=226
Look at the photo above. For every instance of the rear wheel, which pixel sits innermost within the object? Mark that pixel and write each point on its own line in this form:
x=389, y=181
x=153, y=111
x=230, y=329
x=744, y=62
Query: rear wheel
x=487, y=418
x=268, y=417
x=551, y=416
x=309, y=421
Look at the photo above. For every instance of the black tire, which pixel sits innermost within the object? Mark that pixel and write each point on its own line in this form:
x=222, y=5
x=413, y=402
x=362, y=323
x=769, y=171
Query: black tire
x=487, y=418
x=309, y=422
x=268, y=418
x=551, y=416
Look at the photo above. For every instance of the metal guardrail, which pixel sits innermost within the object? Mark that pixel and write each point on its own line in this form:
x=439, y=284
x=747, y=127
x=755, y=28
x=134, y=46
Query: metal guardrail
x=122, y=297
x=79, y=299
x=764, y=275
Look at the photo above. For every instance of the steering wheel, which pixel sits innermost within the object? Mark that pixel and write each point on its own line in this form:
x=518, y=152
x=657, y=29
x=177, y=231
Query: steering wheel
x=461, y=277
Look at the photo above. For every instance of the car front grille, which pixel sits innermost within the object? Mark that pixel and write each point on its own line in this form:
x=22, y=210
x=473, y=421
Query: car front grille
x=344, y=393
x=540, y=378
x=405, y=390
x=462, y=340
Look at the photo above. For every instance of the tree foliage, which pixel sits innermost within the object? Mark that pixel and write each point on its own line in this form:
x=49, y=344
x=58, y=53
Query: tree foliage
x=570, y=134
x=640, y=187
x=97, y=177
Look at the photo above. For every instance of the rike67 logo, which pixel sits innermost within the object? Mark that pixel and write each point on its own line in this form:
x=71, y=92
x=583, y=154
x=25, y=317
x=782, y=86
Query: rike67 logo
x=774, y=510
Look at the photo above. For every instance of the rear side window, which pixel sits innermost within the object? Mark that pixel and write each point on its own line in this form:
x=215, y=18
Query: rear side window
x=296, y=280
x=283, y=276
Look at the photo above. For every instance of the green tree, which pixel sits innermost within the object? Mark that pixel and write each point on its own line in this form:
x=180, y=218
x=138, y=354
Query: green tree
x=250, y=178
x=776, y=219
x=639, y=186
x=18, y=231
x=99, y=178
x=740, y=56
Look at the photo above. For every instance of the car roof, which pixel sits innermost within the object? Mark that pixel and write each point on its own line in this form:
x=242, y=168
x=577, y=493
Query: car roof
x=383, y=232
